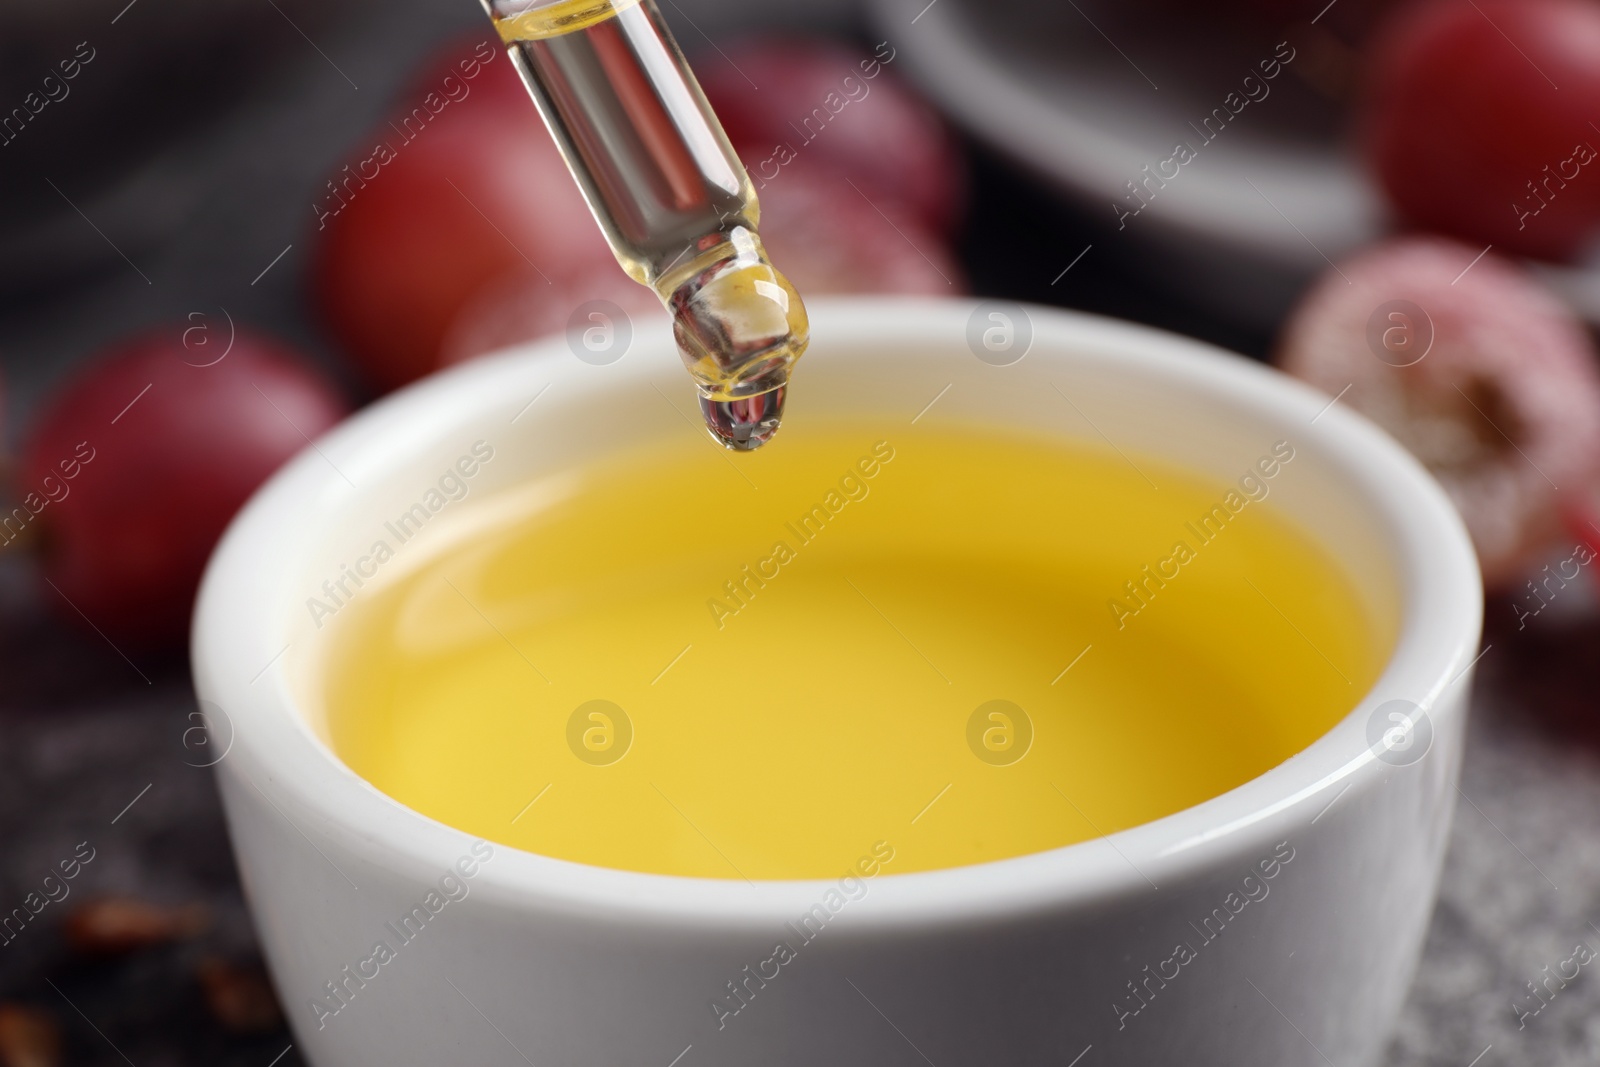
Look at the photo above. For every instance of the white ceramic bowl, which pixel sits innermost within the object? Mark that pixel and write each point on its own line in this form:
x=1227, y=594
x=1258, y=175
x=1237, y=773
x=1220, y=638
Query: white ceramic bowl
x=1028, y=960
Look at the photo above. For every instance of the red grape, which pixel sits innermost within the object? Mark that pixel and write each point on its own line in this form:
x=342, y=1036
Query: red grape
x=524, y=306
x=820, y=103
x=1480, y=120
x=1484, y=375
x=136, y=467
x=828, y=237
x=462, y=197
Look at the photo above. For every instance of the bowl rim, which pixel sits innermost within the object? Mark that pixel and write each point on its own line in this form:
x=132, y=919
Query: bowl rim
x=242, y=619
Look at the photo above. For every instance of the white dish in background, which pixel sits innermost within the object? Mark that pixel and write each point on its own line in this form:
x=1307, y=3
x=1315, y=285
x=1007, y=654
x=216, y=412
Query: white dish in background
x=1085, y=95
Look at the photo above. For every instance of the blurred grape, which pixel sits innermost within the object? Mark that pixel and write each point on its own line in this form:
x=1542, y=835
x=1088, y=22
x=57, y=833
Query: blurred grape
x=789, y=104
x=828, y=237
x=134, y=470
x=523, y=306
x=1473, y=366
x=441, y=205
x=1479, y=121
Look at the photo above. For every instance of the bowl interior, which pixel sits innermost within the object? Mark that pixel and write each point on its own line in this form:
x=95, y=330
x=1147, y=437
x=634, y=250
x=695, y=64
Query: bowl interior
x=549, y=412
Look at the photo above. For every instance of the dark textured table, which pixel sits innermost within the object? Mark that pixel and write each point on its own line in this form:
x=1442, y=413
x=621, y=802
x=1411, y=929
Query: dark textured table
x=1521, y=886
x=92, y=745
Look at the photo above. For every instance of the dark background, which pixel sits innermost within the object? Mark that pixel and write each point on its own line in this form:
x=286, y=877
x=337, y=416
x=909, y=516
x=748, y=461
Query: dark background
x=195, y=142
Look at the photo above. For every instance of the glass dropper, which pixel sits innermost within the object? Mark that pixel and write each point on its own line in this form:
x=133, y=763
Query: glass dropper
x=670, y=194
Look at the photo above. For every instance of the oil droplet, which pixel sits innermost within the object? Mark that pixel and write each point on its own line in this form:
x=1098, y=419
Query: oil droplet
x=746, y=424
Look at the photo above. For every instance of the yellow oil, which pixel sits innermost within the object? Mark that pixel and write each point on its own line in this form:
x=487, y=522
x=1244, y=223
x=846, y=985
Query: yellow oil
x=530, y=22
x=670, y=194
x=593, y=671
